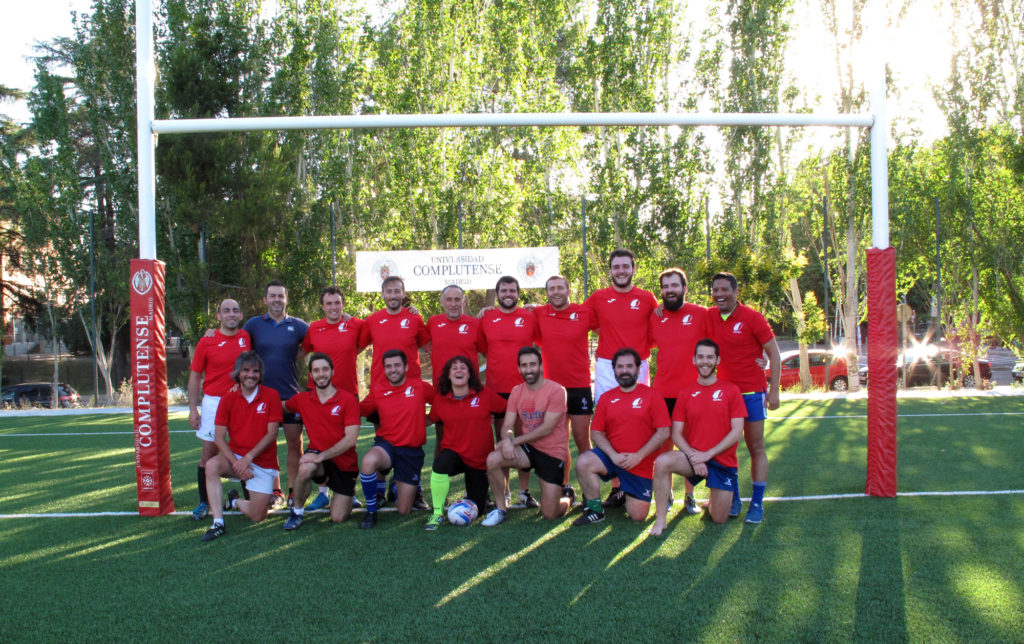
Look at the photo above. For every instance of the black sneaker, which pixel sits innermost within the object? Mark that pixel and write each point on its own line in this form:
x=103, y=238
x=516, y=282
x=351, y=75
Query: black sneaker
x=381, y=500
x=588, y=517
x=419, y=503
x=616, y=499
x=570, y=494
x=527, y=500
x=232, y=497
x=369, y=521
x=216, y=530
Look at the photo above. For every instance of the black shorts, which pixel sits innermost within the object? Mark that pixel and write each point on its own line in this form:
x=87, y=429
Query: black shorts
x=338, y=480
x=500, y=415
x=291, y=418
x=450, y=463
x=580, y=401
x=671, y=404
x=547, y=467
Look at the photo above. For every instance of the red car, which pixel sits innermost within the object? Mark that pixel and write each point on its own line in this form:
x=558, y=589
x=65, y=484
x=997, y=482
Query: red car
x=825, y=367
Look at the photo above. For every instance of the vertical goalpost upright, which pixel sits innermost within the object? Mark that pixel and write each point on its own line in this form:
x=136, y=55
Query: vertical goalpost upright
x=149, y=367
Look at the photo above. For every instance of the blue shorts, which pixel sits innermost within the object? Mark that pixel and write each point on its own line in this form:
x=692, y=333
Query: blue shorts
x=719, y=477
x=406, y=461
x=635, y=486
x=755, y=406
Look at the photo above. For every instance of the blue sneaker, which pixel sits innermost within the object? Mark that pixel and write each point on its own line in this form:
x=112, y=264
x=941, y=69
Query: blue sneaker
x=200, y=512
x=294, y=521
x=737, y=506
x=755, y=513
x=321, y=501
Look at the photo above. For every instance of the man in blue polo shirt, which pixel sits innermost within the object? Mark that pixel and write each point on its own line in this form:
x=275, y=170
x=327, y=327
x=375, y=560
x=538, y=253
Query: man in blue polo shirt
x=277, y=338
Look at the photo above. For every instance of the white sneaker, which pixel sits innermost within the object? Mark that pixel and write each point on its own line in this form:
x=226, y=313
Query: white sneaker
x=494, y=517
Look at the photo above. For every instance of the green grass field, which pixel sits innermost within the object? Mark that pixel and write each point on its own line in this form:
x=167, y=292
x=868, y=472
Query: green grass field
x=915, y=568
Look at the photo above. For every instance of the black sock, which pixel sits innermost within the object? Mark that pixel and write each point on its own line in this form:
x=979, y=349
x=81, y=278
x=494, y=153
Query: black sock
x=245, y=492
x=201, y=480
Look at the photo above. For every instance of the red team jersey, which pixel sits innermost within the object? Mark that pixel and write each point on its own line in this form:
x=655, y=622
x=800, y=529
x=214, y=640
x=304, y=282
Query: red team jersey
x=402, y=409
x=325, y=422
x=449, y=339
x=403, y=330
x=502, y=335
x=215, y=358
x=622, y=318
x=564, y=338
x=706, y=412
x=467, y=424
x=629, y=420
x=741, y=338
x=531, y=407
x=341, y=342
x=676, y=334
x=247, y=423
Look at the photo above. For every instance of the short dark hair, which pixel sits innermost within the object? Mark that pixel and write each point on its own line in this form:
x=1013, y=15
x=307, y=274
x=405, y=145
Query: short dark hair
x=507, y=279
x=392, y=278
x=622, y=252
x=395, y=353
x=626, y=351
x=557, y=277
x=444, y=383
x=266, y=289
x=727, y=276
x=247, y=359
x=529, y=350
x=706, y=342
x=332, y=290
x=319, y=355
x=672, y=271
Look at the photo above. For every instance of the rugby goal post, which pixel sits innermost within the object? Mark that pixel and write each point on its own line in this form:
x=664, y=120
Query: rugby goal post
x=149, y=367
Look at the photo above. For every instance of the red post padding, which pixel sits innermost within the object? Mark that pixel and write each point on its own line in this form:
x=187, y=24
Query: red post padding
x=883, y=344
x=149, y=388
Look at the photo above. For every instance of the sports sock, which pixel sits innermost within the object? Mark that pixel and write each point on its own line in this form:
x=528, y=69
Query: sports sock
x=758, y=494
x=299, y=511
x=218, y=522
x=369, y=483
x=201, y=480
x=382, y=485
x=595, y=505
x=736, y=487
x=439, y=484
x=323, y=490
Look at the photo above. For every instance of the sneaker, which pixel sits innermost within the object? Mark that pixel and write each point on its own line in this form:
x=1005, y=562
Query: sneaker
x=419, y=503
x=616, y=499
x=232, y=497
x=434, y=522
x=737, y=506
x=690, y=505
x=570, y=494
x=494, y=517
x=369, y=521
x=321, y=501
x=527, y=500
x=755, y=513
x=382, y=500
x=291, y=500
x=278, y=501
x=294, y=521
x=201, y=511
x=588, y=517
x=216, y=530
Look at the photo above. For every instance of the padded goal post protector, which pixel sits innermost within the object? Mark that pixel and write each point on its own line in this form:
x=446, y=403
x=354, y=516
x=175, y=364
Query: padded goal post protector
x=883, y=344
x=149, y=388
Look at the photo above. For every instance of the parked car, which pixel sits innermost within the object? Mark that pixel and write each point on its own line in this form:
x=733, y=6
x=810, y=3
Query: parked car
x=39, y=394
x=825, y=367
x=1018, y=372
x=923, y=362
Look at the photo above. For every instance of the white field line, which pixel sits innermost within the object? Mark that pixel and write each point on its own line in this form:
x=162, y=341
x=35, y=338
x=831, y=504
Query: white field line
x=770, y=499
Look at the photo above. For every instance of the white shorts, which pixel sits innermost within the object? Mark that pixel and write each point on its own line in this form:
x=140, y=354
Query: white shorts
x=207, y=417
x=262, y=480
x=604, y=377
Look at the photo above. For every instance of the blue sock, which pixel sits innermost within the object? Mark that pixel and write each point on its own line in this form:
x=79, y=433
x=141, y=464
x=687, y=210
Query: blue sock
x=736, y=488
x=382, y=486
x=369, y=483
x=758, y=494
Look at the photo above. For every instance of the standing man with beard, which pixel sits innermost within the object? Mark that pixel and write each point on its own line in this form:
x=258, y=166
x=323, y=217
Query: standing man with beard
x=675, y=333
x=630, y=427
x=706, y=426
x=744, y=336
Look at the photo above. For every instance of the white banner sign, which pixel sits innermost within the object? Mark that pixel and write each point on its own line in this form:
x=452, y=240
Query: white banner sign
x=472, y=269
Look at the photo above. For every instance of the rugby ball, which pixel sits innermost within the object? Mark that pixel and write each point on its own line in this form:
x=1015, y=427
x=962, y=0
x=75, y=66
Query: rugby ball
x=462, y=513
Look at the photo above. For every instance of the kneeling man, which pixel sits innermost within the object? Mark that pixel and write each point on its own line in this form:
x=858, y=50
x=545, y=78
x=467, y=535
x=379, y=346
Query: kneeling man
x=631, y=424
x=706, y=425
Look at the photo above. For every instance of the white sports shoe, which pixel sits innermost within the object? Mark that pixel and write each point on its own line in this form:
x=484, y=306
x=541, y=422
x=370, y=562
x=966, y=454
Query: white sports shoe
x=494, y=517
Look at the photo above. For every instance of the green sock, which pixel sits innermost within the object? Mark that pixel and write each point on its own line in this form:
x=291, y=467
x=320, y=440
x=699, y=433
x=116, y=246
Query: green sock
x=438, y=491
x=595, y=505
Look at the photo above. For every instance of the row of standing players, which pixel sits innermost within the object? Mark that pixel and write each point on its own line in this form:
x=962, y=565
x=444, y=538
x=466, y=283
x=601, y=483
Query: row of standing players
x=623, y=315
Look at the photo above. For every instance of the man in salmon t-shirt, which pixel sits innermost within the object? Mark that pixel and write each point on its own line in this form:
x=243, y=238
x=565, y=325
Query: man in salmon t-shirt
x=543, y=444
x=743, y=336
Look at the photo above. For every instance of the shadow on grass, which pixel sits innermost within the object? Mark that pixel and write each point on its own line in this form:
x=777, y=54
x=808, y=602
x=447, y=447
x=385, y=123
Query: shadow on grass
x=880, y=609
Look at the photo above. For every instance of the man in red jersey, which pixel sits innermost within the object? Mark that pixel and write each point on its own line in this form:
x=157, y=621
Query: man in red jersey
x=248, y=416
x=706, y=426
x=402, y=408
x=622, y=312
x=630, y=427
x=542, y=445
x=331, y=418
x=675, y=333
x=339, y=338
x=212, y=364
x=744, y=336
x=563, y=333
x=393, y=327
x=504, y=330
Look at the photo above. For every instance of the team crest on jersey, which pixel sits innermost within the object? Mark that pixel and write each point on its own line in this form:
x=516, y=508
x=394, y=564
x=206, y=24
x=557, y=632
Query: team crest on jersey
x=404, y=324
x=687, y=320
x=475, y=402
x=574, y=316
x=336, y=410
x=463, y=329
x=342, y=327
x=291, y=329
x=717, y=395
x=638, y=402
x=261, y=408
x=635, y=304
x=519, y=322
x=409, y=392
x=737, y=328
x=241, y=342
